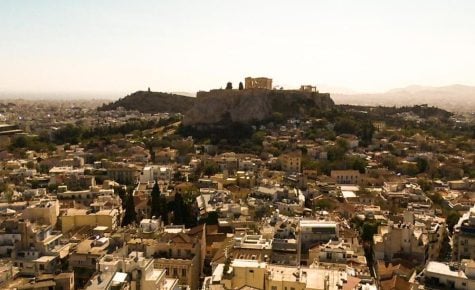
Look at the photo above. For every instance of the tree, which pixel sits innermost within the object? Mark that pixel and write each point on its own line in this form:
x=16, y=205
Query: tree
x=155, y=195
x=179, y=210
x=122, y=194
x=229, y=86
x=211, y=169
x=159, y=203
x=422, y=164
x=241, y=87
x=130, y=214
x=211, y=219
x=324, y=204
x=425, y=184
x=452, y=219
x=368, y=230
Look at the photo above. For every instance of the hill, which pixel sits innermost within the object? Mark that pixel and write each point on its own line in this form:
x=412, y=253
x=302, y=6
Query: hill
x=152, y=102
x=455, y=98
x=244, y=106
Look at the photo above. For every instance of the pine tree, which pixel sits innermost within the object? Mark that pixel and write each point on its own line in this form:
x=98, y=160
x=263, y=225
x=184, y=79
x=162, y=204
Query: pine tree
x=155, y=195
x=130, y=214
x=229, y=86
x=241, y=86
x=179, y=210
x=159, y=204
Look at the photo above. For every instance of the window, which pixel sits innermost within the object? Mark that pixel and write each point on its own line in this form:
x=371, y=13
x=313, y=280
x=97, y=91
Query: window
x=175, y=272
x=273, y=288
x=183, y=272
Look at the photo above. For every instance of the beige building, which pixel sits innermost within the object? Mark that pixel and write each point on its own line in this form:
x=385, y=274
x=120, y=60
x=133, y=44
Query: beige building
x=463, y=239
x=402, y=240
x=63, y=281
x=291, y=162
x=346, y=176
x=258, y=83
x=309, y=88
x=76, y=218
x=123, y=173
x=251, y=274
x=84, y=260
x=136, y=262
x=313, y=232
x=177, y=253
x=38, y=250
x=45, y=212
x=83, y=197
x=438, y=275
x=337, y=251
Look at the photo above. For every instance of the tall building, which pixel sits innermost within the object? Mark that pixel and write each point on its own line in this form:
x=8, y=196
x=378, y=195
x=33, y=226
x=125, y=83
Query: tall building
x=464, y=237
x=291, y=162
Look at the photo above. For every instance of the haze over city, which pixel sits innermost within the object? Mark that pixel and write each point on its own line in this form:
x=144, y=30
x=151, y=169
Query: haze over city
x=111, y=48
x=237, y=145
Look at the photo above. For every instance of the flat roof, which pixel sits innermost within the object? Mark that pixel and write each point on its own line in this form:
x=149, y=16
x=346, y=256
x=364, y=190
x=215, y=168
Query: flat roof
x=443, y=269
x=348, y=194
x=119, y=277
x=315, y=223
x=45, y=259
x=248, y=263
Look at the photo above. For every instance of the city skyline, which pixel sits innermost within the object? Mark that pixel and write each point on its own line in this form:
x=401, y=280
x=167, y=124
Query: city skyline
x=58, y=46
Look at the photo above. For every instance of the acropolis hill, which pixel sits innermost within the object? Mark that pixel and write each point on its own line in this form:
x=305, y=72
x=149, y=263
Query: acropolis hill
x=257, y=100
x=253, y=105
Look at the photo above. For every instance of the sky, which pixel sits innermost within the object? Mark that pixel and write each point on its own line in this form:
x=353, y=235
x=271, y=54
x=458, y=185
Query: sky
x=123, y=46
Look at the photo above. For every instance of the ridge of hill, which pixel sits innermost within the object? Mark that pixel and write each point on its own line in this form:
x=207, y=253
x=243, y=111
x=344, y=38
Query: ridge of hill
x=242, y=106
x=152, y=102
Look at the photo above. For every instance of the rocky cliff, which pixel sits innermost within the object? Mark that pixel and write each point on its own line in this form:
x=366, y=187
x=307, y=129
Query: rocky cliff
x=152, y=102
x=253, y=105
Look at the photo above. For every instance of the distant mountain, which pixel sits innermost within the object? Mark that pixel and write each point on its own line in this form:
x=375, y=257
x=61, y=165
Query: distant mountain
x=152, y=102
x=455, y=98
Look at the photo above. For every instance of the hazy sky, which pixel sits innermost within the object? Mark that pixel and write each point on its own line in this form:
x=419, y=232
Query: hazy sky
x=123, y=46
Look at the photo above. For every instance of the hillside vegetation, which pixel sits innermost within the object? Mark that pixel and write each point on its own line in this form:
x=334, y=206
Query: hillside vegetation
x=152, y=102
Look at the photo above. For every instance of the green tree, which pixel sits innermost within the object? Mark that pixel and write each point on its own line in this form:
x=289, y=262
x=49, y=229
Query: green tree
x=425, y=184
x=325, y=204
x=130, y=214
x=179, y=210
x=452, y=219
x=241, y=87
x=422, y=164
x=229, y=86
x=368, y=230
x=211, y=219
x=159, y=203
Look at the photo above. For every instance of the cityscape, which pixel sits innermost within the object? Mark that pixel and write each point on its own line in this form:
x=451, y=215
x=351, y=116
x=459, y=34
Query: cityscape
x=254, y=179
